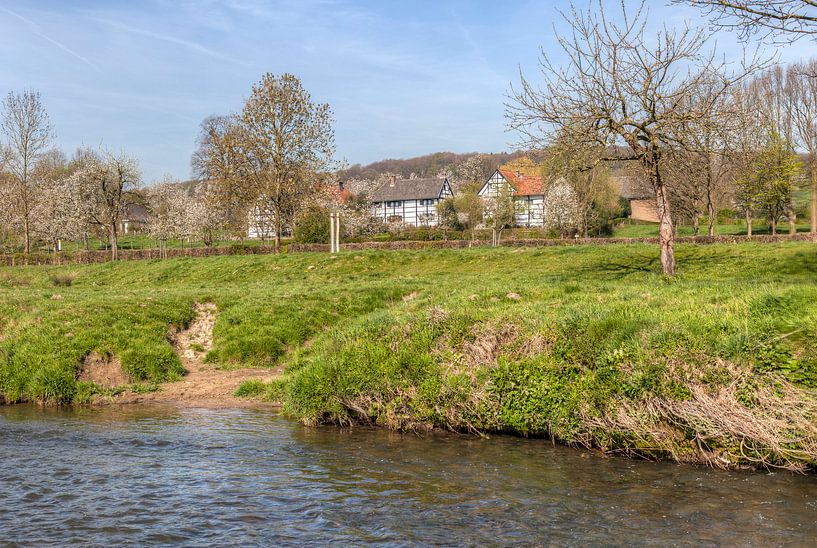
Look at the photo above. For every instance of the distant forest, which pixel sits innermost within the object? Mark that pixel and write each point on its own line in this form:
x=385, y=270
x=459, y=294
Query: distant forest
x=429, y=165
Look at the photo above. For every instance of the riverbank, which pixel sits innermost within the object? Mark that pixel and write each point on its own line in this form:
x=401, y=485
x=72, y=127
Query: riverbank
x=589, y=345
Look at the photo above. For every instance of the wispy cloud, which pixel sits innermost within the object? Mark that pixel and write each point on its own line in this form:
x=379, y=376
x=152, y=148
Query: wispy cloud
x=35, y=28
x=189, y=44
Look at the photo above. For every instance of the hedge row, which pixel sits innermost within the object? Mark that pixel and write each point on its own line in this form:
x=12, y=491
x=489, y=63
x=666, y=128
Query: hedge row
x=539, y=242
x=91, y=257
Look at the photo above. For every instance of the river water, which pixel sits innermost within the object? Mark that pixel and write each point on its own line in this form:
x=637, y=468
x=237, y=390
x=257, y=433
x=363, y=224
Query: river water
x=154, y=475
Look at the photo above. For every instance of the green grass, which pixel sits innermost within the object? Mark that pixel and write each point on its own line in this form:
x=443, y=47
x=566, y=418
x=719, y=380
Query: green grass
x=589, y=345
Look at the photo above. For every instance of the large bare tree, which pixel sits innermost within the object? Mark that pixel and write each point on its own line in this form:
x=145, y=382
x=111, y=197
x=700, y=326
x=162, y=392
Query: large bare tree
x=619, y=86
x=272, y=149
x=27, y=134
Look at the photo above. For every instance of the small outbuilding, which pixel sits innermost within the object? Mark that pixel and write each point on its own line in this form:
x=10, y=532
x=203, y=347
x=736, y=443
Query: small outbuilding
x=639, y=193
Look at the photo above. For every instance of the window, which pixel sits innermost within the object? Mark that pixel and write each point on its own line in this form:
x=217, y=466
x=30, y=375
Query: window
x=426, y=202
x=397, y=203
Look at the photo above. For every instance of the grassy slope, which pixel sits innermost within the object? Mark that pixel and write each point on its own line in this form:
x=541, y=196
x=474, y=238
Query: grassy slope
x=589, y=345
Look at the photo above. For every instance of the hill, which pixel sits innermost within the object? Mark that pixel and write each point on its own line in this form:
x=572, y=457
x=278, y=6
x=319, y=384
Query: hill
x=429, y=165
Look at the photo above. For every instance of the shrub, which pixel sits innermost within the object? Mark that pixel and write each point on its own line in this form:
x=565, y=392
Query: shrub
x=65, y=279
x=312, y=225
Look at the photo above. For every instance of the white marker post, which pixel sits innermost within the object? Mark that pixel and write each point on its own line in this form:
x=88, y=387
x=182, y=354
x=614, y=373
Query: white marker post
x=334, y=232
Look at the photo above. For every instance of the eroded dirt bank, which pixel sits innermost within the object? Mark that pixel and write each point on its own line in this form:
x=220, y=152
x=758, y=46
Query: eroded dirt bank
x=203, y=385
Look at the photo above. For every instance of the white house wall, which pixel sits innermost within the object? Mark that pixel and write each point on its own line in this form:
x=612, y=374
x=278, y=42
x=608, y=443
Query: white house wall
x=530, y=210
x=410, y=212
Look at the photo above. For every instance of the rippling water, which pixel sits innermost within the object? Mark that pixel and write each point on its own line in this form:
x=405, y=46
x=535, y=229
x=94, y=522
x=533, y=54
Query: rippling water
x=148, y=475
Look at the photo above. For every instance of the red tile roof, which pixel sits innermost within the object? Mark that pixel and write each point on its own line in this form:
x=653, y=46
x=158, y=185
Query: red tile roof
x=338, y=195
x=525, y=185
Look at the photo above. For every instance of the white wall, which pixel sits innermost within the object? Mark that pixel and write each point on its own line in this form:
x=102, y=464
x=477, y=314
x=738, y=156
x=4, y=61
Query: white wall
x=411, y=212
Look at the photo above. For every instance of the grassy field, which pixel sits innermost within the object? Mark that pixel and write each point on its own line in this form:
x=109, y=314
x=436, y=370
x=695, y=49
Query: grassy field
x=589, y=345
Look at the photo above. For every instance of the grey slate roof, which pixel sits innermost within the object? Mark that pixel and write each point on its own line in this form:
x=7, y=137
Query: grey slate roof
x=408, y=189
x=136, y=213
x=632, y=187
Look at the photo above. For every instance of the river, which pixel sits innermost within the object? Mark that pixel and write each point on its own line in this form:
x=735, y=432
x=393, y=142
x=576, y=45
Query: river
x=157, y=475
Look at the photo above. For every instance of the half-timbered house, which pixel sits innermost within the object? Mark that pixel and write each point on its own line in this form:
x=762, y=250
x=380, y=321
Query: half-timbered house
x=536, y=203
x=410, y=201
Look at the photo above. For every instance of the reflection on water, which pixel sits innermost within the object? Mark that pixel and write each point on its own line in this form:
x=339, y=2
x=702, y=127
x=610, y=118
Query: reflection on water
x=164, y=475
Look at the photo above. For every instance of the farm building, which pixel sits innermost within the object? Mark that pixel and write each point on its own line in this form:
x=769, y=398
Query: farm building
x=410, y=201
x=537, y=204
x=638, y=192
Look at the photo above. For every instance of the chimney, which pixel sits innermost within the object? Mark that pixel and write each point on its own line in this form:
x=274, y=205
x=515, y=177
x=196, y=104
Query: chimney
x=392, y=181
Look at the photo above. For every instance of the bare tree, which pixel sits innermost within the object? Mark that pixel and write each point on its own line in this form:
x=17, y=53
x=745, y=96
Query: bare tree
x=787, y=19
x=217, y=161
x=274, y=147
x=803, y=90
x=620, y=87
x=27, y=133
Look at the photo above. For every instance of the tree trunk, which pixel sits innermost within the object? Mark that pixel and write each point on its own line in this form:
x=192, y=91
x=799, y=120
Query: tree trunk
x=277, y=233
x=773, y=226
x=710, y=203
x=792, y=217
x=748, y=222
x=27, y=230
x=666, y=235
x=696, y=224
x=114, y=242
x=711, y=214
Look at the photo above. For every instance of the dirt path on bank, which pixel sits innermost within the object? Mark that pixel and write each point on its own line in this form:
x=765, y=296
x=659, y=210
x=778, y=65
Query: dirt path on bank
x=203, y=385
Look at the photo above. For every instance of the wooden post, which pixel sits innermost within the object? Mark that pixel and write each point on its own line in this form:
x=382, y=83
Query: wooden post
x=337, y=232
x=332, y=232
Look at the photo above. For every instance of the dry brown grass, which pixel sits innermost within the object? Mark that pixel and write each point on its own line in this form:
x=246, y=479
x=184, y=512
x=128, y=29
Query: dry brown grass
x=716, y=426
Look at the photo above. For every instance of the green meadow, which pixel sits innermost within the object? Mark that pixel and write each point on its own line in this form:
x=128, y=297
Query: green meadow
x=588, y=345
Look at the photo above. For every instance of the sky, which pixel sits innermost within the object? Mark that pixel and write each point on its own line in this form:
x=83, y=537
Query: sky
x=403, y=78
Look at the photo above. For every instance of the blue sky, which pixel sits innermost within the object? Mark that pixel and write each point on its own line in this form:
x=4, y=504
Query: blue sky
x=404, y=78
